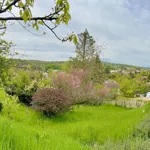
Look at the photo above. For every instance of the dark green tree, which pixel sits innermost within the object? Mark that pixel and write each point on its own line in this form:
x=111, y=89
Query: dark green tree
x=85, y=47
x=97, y=70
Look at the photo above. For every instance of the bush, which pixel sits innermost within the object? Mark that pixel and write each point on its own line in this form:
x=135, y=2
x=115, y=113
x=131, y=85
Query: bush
x=24, y=93
x=1, y=107
x=128, y=93
x=108, y=93
x=24, y=84
x=143, y=129
x=77, y=85
x=104, y=92
x=51, y=101
x=9, y=104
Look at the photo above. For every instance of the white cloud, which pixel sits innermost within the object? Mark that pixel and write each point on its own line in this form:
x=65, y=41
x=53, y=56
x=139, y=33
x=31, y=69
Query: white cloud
x=122, y=24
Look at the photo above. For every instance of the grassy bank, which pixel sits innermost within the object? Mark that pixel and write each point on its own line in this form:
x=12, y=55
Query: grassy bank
x=81, y=128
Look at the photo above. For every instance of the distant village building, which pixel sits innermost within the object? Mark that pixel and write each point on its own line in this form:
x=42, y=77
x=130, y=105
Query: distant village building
x=111, y=84
x=148, y=94
x=45, y=74
x=115, y=71
x=125, y=72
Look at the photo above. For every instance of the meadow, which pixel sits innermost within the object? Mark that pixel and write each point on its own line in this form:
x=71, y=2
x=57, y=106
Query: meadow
x=82, y=128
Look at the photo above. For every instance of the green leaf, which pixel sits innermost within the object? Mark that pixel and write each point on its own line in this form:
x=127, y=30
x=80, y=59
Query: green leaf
x=58, y=2
x=65, y=10
x=75, y=40
x=67, y=4
x=25, y=16
x=66, y=20
x=10, y=8
x=30, y=2
x=69, y=16
x=40, y=22
x=20, y=12
x=33, y=25
x=29, y=13
x=7, y=3
x=37, y=27
x=57, y=21
x=20, y=4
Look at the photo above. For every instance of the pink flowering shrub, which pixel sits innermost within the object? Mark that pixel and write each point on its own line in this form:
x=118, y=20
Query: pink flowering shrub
x=104, y=92
x=63, y=80
x=80, y=73
x=108, y=93
x=76, y=85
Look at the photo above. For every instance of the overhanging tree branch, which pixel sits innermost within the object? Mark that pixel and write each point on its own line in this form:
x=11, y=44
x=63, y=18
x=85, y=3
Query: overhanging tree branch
x=10, y=5
x=33, y=18
x=1, y=28
x=58, y=15
x=63, y=40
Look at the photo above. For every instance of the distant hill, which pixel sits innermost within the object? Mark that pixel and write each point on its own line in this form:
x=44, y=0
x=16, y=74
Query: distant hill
x=38, y=64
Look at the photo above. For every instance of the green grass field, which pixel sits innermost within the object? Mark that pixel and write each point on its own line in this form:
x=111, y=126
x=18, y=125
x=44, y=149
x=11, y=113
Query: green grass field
x=79, y=129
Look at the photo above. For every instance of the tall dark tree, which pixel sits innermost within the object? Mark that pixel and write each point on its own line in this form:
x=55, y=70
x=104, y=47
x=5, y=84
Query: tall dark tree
x=85, y=48
x=97, y=69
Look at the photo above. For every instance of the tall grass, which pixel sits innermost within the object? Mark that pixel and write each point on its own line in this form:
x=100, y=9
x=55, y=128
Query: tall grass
x=16, y=136
x=81, y=128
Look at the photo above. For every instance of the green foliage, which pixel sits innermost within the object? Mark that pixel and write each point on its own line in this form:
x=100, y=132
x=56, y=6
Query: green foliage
x=9, y=103
x=5, y=63
x=1, y=107
x=53, y=66
x=143, y=89
x=66, y=66
x=21, y=84
x=127, y=92
x=1, y=97
x=64, y=7
x=132, y=84
x=96, y=70
x=149, y=77
x=107, y=69
x=85, y=48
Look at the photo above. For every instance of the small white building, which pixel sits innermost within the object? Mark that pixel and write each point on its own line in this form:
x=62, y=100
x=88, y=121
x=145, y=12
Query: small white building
x=148, y=94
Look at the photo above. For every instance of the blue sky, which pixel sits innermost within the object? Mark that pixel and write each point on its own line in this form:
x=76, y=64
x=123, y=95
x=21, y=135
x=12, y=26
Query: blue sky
x=122, y=26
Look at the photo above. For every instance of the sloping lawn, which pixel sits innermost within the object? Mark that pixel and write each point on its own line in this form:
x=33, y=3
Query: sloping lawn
x=78, y=129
